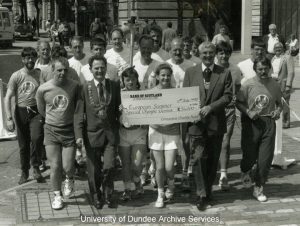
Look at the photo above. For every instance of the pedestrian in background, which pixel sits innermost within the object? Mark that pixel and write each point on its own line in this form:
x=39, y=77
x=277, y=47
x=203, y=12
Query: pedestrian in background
x=168, y=35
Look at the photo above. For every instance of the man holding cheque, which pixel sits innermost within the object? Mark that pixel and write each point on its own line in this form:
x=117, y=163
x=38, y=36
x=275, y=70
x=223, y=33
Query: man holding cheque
x=206, y=135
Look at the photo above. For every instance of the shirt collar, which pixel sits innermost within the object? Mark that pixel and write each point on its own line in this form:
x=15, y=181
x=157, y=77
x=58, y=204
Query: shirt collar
x=211, y=67
x=96, y=82
x=270, y=36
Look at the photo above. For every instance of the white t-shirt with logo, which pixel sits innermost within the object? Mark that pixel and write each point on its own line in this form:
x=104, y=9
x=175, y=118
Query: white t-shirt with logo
x=24, y=86
x=179, y=72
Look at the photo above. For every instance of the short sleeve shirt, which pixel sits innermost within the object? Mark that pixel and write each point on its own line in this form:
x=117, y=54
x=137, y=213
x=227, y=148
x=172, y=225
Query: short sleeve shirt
x=77, y=64
x=147, y=78
x=260, y=97
x=60, y=102
x=118, y=59
x=24, y=86
x=179, y=72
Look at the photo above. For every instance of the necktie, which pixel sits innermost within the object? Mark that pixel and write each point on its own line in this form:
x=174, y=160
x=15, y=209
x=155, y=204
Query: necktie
x=101, y=92
x=207, y=74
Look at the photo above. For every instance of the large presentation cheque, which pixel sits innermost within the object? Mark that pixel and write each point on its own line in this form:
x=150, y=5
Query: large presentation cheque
x=160, y=106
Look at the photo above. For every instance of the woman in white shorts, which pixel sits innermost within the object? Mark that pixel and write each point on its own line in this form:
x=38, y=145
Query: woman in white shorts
x=132, y=149
x=163, y=142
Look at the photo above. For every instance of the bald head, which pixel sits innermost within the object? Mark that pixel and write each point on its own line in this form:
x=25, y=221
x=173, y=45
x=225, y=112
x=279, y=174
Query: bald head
x=177, y=50
x=43, y=49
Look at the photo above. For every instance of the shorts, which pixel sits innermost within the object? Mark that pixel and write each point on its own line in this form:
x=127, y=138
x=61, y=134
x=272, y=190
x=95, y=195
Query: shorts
x=129, y=137
x=160, y=142
x=230, y=121
x=63, y=136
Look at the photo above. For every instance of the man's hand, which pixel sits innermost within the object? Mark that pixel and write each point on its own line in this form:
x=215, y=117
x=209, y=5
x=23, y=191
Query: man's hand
x=275, y=114
x=252, y=114
x=287, y=93
x=10, y=125
x=79, y=142
x=205, y=111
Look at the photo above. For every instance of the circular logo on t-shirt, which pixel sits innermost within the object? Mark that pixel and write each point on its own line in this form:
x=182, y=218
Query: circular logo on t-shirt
x=27, y=87
x=60, y=103
x=262, y=101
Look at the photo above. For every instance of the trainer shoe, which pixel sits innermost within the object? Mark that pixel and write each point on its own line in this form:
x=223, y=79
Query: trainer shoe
x=43, y=166
x=138, y=188
x=24, y=177
x=58, y=202
x=37, y=175
x=223, y=184
x=126, y=196
x=169, y=194
x=160, y=201
x=246, y=180
x=69, y=187
x=258, y=194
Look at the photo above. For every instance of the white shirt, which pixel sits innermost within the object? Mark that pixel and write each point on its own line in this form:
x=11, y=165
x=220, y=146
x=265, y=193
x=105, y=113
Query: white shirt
x=275, y=65
x=119, y=59
x=147, y=78
x=246, y=68
x=271, y=42
x=42, y=66
x=161, y=55
x=179, y=72
x=77, y=64
x=207, y=83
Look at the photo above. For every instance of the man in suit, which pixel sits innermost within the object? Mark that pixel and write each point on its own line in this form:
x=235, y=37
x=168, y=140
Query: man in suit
x=100, y=130
x=206, y=135
x=271, y=39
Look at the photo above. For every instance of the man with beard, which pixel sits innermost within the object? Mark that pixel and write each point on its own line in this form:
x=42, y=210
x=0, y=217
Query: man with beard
x=57, y=101
x=23, y=85
x=187, y=50
x=258, y=51
x=100, y=131
x=259, y=101
x=118, y=55
x=98, y=48
x=79, y=59
x=206, y=135
x=158, y=53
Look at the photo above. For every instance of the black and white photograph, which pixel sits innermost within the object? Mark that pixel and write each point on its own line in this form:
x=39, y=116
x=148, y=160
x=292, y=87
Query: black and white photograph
x=139, y=112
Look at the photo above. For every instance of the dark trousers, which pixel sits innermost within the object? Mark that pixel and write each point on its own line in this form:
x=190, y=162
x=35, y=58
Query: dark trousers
x=225, y=152
x=100, y=167
x=30, y=136
x=205, y=152
x=257, y=142
x=286, y=112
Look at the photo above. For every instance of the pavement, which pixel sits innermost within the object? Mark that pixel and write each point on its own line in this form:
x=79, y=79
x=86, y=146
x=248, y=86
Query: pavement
x=30, y=203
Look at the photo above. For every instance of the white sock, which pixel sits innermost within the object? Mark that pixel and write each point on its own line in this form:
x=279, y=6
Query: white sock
x=57, y=193
x=223, y=173
x=160, y=191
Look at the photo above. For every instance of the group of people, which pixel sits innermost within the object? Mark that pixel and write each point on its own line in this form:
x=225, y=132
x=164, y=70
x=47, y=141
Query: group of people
x=69, y=104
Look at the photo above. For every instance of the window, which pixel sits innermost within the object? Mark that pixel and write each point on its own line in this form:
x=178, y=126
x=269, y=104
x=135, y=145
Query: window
x=5, y=18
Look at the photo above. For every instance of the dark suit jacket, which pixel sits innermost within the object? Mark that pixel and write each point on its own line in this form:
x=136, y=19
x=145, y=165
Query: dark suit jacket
x=96, y=131
x=266, y=39
x=218, y=97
